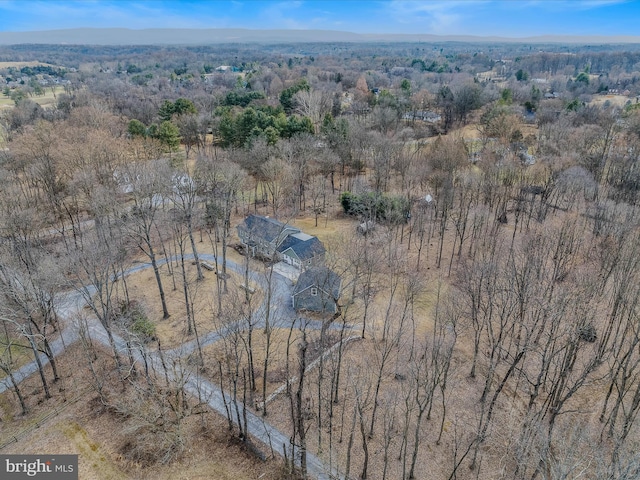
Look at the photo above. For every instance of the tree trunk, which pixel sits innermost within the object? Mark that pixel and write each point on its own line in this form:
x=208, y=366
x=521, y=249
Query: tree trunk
x=156, y=272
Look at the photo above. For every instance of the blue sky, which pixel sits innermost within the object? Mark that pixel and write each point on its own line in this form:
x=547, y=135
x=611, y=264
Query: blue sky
x=509, y=18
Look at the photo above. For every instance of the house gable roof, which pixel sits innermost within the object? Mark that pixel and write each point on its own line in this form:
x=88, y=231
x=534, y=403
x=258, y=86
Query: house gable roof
x=265, y=228
x=320, y=277
x=304, y=246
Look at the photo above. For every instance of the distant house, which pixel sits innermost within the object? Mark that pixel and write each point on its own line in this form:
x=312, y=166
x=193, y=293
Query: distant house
x=317, y=290
x=491, y=76
x=274, y=240
x=182, y=182
x=422, y=115
x=125, y=181
x=366, y=227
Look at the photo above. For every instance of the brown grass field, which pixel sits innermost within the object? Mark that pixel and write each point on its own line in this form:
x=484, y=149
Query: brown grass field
x=75, y=422
x=172, y=331
x=615, y=100
x=46, y=100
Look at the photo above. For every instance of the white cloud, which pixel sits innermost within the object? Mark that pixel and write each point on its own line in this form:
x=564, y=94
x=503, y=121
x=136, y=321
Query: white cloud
x=599, y=3
x=278, y=16
x=434, y=16
x=561, y=5
x=45, y=15
x=11, y=5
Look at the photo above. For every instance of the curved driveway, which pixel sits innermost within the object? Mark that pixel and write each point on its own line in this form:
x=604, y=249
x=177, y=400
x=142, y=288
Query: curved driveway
x=71, y=303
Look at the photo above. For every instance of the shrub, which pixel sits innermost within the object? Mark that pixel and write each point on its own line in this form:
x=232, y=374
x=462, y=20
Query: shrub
x=135, y=321
x=143, y=328
x=376, y=206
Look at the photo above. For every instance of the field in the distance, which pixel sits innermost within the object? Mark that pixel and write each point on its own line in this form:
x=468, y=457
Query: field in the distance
x=25, y=64
x=46, y=100
x=614, y=100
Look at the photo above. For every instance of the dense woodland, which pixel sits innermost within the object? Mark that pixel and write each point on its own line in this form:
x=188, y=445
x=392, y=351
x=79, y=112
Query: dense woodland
x=488, y=323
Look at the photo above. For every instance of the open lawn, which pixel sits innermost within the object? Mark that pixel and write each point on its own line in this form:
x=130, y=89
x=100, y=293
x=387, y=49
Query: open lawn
x=471, y=132
x=614, y=100
x=328, y=229
x=46, y=100
x=143, y=288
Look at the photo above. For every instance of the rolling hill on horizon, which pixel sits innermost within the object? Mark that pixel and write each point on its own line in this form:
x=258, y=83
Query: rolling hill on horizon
x=184, y=36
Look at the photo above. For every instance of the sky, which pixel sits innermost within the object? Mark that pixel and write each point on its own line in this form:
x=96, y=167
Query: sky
x=506, y=18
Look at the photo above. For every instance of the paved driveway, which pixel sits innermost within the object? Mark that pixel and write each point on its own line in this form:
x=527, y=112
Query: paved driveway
x=287, y=271
x=70, y=305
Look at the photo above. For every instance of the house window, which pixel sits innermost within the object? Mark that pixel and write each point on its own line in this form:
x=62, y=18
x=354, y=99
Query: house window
x=314, y=291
